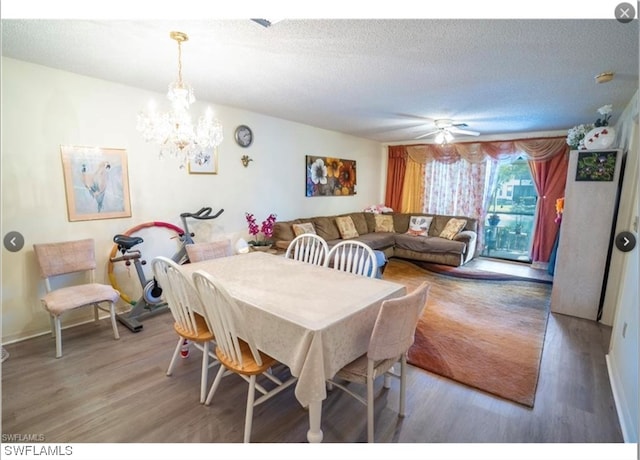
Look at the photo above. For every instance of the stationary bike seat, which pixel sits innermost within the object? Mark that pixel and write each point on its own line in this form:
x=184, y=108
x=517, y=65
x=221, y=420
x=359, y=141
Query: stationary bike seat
x=127, y=242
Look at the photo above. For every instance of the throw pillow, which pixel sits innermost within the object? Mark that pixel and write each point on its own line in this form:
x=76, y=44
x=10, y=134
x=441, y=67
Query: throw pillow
x=419, y=225
x=299, y=229
x=452, y=228
x=384, y=223
x=346, y=227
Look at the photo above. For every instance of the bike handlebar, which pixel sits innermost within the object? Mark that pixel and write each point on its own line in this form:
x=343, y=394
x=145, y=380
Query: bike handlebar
x=202, y=213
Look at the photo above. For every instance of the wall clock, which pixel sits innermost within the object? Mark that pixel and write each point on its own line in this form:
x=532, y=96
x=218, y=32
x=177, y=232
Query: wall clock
x=244, y=136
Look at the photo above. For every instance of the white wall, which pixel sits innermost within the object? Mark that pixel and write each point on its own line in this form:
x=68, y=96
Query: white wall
x=622, y=289
x=43, y=108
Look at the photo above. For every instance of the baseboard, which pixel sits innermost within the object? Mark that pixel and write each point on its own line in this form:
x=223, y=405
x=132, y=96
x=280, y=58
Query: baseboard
x=624, y=417
x=540, y=265
x=102, y=315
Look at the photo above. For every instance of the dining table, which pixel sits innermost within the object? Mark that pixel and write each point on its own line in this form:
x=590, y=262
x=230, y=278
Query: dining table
x=311, y=318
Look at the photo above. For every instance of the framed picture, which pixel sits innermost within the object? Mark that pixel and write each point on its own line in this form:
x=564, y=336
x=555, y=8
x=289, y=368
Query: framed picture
x=96, y=182
x=205, y=162
x=596, y=166
x=327, y=176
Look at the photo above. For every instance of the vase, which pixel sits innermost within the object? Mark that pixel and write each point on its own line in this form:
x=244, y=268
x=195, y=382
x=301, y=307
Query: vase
x=263, y=248
x=601, y=137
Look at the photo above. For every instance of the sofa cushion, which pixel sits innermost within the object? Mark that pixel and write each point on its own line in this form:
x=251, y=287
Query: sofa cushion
x=419, y=225
x=326, y=228
x=283, y=230
x=440, y=222
x=384, y=223
x=379, y=240
x=429, y=244
x=346, y=227
x=370, y=218
x=360, y=222
x=307, y=227
x=401, y=222
x=453, y=227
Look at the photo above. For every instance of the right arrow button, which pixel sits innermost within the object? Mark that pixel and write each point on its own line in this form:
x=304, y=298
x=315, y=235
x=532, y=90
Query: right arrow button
x=625, y=241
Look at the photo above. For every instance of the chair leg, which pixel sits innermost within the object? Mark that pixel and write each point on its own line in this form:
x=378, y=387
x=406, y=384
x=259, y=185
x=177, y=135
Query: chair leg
x=96, y=312
x=53, y=325
x=175, y=356
x=248, y=419
x=216, y=382
x=403, y=384
x=58, y=333
x=205, y=372
x=114, y=323
x=370, y=407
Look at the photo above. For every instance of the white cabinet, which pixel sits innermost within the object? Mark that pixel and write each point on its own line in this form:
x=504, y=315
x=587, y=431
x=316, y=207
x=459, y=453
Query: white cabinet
x=591, y=200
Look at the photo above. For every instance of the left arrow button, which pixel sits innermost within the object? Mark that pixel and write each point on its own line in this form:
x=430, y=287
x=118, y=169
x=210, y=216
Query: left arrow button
x=13, y=241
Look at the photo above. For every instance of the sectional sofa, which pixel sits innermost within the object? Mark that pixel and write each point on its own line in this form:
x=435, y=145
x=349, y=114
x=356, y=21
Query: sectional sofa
x=449, y=240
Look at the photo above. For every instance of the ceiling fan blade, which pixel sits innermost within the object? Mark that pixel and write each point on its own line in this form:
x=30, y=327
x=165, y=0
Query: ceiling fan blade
x=431, y=133
x=464, y=131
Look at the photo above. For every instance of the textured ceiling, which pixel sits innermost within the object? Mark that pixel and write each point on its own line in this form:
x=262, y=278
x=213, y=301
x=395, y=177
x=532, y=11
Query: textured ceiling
x=385, y=80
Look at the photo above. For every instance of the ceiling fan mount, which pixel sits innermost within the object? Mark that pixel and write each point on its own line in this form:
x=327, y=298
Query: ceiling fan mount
x=446, y=128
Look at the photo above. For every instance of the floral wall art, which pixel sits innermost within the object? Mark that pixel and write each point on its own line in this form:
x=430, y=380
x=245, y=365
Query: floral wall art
x=96, y=182
x=328, y=176
x=596, y=166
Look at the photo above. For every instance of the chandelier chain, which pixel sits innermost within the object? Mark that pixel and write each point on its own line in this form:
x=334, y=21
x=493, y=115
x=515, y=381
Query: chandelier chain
x=180, y=64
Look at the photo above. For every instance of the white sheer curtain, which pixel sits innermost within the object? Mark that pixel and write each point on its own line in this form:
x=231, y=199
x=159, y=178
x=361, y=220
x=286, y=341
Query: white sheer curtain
x=460, y=188
x=456, y=188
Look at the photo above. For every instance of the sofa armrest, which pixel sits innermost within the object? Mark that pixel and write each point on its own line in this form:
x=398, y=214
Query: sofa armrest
x=470, y=239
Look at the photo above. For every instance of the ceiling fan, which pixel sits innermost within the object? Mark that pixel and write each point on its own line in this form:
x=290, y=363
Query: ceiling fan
x=445, y=129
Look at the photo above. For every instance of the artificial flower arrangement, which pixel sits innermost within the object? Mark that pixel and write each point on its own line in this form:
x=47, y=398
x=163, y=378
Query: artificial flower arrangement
x=266, y=229
x=378, y=209
x=576, y=135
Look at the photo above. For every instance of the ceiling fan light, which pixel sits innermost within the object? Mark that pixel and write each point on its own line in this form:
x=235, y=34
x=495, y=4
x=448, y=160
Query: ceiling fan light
x=440, y=138
x=448, y=137
x=604, y=77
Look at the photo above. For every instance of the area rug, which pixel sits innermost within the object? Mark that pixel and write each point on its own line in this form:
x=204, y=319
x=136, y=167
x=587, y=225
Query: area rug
x=486, y=334
x=469, y=271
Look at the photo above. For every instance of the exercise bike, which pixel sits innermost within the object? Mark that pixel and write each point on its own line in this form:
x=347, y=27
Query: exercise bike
x=151, y=301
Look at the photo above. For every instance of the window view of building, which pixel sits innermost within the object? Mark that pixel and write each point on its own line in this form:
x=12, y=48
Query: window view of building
x=510, y=218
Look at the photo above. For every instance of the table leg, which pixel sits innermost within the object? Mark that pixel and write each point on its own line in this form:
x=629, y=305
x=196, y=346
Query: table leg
x=315, y=414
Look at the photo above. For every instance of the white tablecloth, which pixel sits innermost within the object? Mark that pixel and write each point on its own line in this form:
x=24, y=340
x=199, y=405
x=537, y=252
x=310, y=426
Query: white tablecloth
x=313, y=319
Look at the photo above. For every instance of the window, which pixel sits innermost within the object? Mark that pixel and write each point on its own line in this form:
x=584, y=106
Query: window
x=511, y=211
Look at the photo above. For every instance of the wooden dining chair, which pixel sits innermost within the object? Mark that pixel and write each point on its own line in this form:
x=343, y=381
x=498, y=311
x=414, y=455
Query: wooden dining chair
x=184, y=304
x=209, y=250
x=354, y=257
x=63, y=258
x=308, y=247
x=392, y=335
x=237, y=355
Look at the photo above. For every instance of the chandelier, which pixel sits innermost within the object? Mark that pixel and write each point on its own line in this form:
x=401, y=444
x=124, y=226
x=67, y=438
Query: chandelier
x=174, y=131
